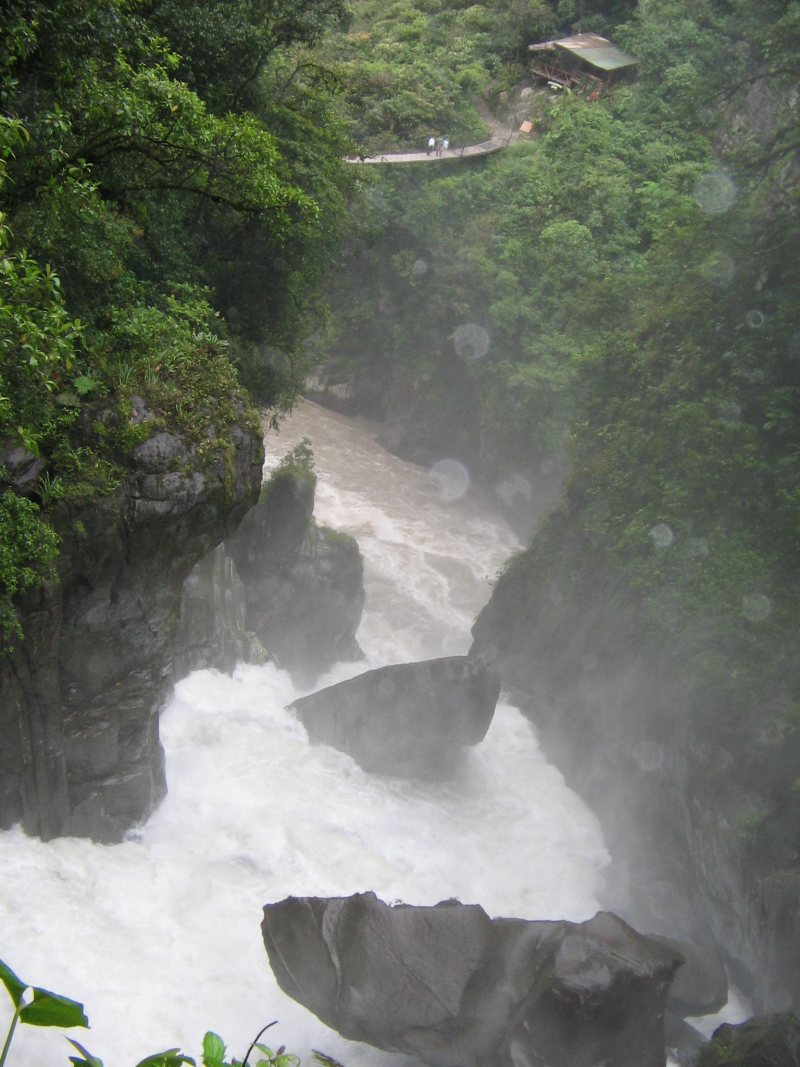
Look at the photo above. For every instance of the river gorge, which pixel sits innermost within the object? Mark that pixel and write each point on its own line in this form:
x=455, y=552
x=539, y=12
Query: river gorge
x=158, y=935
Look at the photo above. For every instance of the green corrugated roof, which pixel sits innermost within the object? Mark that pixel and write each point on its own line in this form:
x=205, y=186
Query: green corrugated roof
x=597, y=51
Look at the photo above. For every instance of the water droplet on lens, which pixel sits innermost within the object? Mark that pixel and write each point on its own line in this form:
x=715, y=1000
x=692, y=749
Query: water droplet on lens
x=649, y=755
x=471, y=341
x=662, y=535
x=698, y=548
x=515, y=490
x=730, y=410
x=451, y=478
x=719, y=268
x=755, y=319
x=419, y=267
x=756, y=607
x=715, y=193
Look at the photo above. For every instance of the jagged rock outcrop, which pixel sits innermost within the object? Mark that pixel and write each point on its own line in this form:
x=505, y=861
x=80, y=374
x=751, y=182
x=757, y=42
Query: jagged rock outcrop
x=79, y=699
x=303, y=583
x=410, y=719
x=454, y=988
x=696, y=801
x=766, y=1041
x=213, y=627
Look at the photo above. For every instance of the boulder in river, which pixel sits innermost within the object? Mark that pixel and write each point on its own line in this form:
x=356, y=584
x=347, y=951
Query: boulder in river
x=409, y=719
x=454, y=988
x=765, y=1041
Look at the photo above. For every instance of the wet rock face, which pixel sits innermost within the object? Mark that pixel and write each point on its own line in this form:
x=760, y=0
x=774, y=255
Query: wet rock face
x=410, y=719
x=697, y=805
x=79, y=700
x=454, y=988
x=213, y=629
x=303, y=583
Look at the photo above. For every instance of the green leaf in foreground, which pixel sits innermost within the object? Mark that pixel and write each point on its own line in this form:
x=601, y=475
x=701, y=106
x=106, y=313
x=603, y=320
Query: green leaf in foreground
x=213, y=1050
x=172, y=1057
x=15, y=986
x=50, y=1009
x=86, y=1059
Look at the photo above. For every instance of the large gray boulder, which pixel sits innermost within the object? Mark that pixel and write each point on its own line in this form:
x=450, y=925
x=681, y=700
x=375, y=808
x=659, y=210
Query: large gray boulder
x=454, y=988
x=410, y=719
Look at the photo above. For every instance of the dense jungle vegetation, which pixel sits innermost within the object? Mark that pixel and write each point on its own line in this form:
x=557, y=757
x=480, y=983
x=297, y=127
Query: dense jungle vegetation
x=619, y=288
x=622, y=290
x=172, y=189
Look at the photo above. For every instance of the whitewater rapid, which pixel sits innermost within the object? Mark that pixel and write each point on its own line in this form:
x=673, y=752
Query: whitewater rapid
x=159, y=936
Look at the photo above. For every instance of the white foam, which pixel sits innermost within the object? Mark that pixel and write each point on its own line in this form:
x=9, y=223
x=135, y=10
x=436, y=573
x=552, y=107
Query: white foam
x=160, y=937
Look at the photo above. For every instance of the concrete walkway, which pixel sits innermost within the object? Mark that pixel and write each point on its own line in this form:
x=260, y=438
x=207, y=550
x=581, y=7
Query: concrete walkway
x=482, y=149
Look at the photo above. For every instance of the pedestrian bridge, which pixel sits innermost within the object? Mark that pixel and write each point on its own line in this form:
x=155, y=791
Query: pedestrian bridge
x=466, y=152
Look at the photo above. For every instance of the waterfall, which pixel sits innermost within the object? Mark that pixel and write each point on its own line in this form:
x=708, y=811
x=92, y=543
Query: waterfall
x=159, y=936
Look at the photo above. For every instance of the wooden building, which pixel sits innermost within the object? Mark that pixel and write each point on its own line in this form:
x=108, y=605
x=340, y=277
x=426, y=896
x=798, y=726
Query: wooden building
x=585, y=60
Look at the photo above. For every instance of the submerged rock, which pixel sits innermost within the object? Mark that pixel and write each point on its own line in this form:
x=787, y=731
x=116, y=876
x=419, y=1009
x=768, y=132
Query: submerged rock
x=408, y=719
x=454, y=988
x=766, y=1041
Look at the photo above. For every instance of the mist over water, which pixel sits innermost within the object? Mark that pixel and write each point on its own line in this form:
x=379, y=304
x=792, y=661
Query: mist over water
x=160, y=937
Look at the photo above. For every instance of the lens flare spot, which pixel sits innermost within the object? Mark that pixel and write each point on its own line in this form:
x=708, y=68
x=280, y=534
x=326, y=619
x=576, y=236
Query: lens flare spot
x=715, y=193
x=698, y=548
x=419, y=267
x=661, y=535
x=649, y=755
x=451, y=478
x=515, y=491
x=719, y=269
x=756, y=607
x=729, y=410
x=471, y=342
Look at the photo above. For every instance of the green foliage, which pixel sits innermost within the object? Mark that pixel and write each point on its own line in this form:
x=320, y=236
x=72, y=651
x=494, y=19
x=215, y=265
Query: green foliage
x=171, y=198
x=43, y=1008
x=413, y=69
x=633, y=273
x=296, y=465
x=28, y=547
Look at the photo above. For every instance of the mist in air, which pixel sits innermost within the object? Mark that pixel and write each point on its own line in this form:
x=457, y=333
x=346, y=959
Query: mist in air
x=160, y=936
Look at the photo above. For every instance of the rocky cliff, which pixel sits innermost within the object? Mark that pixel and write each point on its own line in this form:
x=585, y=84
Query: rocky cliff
x=696, y=792
x=302, y=583
x=79, y=699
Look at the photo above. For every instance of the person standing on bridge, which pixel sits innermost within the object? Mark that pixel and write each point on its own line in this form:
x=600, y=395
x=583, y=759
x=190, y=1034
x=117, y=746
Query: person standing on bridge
x=445, y=144
x=431, y=144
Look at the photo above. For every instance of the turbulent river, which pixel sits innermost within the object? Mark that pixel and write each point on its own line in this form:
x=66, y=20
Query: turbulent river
x=159, y=936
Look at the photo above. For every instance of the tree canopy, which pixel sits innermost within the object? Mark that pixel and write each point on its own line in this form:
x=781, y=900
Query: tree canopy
x=172, y=192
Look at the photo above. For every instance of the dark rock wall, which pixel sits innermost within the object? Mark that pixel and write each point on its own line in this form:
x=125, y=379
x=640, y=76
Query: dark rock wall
x=79, y=700
x=213, y=630
x=686, y=789
x=303, y=583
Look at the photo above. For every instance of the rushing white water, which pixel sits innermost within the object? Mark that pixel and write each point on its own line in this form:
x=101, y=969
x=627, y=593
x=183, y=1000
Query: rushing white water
x=159, y=936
